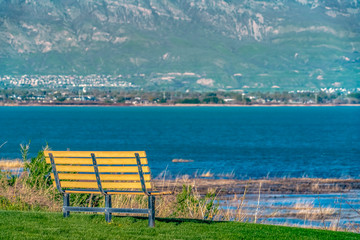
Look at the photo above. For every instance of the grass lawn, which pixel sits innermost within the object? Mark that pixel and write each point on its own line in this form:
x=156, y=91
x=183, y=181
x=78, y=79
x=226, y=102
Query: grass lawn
x=45, y=225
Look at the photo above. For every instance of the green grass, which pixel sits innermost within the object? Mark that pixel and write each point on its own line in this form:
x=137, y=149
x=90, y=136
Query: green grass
x=45, y=225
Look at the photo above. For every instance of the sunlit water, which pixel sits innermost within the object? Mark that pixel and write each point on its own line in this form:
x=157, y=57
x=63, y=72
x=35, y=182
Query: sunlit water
x=249, y=142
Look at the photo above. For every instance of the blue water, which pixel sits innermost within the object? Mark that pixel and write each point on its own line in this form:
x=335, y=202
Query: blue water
x=250, y=142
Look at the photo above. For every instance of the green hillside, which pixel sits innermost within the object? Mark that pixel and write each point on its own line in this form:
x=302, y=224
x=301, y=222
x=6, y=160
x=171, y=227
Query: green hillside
x=231, y=44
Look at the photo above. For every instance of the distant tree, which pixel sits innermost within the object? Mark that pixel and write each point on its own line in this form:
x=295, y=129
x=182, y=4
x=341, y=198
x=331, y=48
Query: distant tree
x=190, y=101
x=243, y=99
x=354, y=95
x=120, y=100
x=61, y=99
x=213, y=100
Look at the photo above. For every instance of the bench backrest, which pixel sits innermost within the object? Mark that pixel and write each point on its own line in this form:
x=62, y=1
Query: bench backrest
x=118, y=170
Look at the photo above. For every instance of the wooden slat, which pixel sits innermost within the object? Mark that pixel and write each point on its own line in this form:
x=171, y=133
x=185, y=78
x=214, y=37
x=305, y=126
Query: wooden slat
x=69, y=168
x=107, y=185
x=103, y=177
x=98, y=192
x=122, y=161
x=100, y=161
x=106, y=169
x=140, y=193
x=98, y=154
x=121, y=193
x=162, y=193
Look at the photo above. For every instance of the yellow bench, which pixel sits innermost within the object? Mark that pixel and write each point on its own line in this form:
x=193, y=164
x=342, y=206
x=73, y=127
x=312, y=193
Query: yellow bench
x=107, y=173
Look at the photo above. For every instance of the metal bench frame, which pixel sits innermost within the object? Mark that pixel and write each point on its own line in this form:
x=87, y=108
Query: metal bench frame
x=108, y=210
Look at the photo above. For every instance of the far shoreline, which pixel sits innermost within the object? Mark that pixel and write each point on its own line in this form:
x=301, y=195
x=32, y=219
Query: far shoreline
x=173, y=105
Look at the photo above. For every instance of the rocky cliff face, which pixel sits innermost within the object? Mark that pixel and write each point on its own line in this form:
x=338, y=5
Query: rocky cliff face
x=233, y=44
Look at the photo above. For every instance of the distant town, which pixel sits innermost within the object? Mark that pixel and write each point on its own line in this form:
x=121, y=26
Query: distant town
x=109, y=90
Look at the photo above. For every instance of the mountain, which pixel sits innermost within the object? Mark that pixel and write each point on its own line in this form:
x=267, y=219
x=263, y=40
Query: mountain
x=182, y=44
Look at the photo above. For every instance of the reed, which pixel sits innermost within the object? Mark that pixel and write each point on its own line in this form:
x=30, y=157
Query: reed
x=207, y=174
x=310, y=212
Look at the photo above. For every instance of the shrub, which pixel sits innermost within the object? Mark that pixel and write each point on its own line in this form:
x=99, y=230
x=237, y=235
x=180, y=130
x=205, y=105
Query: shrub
x=37, y=168
x=191, y=204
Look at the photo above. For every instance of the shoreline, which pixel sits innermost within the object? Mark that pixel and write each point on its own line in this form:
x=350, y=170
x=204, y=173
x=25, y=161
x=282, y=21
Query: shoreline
x=226, y=187
x=233, y=186
x=174, y=105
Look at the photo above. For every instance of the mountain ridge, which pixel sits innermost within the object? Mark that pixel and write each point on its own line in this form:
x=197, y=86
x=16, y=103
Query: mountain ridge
x=225, y=44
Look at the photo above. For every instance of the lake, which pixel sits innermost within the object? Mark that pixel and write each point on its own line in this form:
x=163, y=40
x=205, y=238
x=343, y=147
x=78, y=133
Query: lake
x=240, y=142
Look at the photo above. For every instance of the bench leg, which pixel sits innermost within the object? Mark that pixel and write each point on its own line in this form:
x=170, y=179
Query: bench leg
x=151, y=211
x=66, y=203
x=107, y=205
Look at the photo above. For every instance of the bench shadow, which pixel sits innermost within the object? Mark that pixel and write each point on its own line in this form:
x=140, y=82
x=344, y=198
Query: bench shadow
x=177, y=221
x=184, y=220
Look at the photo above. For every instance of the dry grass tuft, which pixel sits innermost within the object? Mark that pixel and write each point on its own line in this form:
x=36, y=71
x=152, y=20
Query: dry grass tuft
x=22, y=197
x=11, y=164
